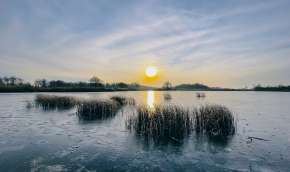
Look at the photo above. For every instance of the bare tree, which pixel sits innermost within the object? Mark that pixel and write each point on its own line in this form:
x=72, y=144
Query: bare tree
x=95, y=81
x=167, y=85
x=40, y=83
x=134, y=85
x=1, y=82
x=12, y=80
x=43, y=83
x=37, y=83
x=19, y=81
x=6, y=80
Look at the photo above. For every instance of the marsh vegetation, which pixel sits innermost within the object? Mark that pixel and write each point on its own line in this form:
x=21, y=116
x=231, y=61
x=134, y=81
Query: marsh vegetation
x=51, y=102
x=200, y=95
x=97, y=109
x=167, y=97
x=161, y=124
x=121, y=100
x=214, y=120
x=174, y=123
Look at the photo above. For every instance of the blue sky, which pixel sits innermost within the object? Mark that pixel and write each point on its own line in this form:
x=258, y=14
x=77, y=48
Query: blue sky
x=227, y=43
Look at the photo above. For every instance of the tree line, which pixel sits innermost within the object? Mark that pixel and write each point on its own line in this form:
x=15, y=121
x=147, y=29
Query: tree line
x=10, y=81
x=272, y=88
x=93, y=82
x=11, y=84
x=16, y=84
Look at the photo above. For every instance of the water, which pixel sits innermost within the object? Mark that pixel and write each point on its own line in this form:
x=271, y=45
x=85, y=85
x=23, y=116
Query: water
x=34, y=140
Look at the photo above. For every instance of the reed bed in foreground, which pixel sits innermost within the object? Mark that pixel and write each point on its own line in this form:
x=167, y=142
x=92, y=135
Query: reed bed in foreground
x=161, y=124
x=97, y=109
x=51, y=102
x=167, y=123
x=121, y=100
x=214, y=120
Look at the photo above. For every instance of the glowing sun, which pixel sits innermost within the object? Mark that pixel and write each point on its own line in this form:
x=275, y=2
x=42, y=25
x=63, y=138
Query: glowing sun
x=151, y=71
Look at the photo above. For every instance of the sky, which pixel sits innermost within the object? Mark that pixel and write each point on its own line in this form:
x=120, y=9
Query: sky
x=226, y=43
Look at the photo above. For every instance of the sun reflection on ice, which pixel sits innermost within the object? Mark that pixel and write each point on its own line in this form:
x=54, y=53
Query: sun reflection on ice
x=150, y=98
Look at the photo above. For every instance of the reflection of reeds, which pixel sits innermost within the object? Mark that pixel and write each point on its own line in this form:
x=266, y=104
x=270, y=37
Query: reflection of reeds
x=50, y=102
x=214, y=120
x=163, y=124
x=97, y=109
x=121, y=100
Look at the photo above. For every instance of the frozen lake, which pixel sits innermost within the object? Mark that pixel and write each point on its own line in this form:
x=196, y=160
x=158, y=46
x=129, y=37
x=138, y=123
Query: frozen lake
x=37, y=140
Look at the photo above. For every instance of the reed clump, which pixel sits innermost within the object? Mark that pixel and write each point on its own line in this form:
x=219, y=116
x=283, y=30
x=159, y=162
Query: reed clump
x=214, y=120
x=97, y=109
x=200, y=95
x=167, y=97
x=161, y=124
x=167, y=123
x=51, y=102
x=121, y=100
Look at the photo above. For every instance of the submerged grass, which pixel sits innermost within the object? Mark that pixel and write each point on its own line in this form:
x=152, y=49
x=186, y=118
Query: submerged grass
x=51, y=102
x=214, y=120
x=121, y=100
x=161, y=124
x=97, y=109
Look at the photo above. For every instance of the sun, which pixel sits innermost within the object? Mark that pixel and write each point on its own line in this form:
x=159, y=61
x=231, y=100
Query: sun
x=151, y=71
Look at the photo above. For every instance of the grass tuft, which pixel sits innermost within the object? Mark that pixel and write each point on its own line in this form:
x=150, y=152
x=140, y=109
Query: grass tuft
x=167, y=123
x=97, y=109
x=167, y=97
x=161, y=124
x=121, y=100
x=214, y=120
x=200, y=95
x=50, y=102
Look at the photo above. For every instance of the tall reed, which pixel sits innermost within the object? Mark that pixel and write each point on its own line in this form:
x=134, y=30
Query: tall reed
x=161, y=124
x=166, y=123
x=167, y=97
x=214, y=120
x=200, y=95
x=51, y=102
x=97, y=109
x=121, y=100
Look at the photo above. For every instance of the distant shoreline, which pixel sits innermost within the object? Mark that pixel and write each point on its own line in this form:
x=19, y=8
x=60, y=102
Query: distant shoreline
x=95, y=84
x=67, y=90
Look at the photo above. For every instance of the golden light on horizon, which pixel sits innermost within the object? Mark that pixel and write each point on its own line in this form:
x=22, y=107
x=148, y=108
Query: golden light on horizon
x=151, y=71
